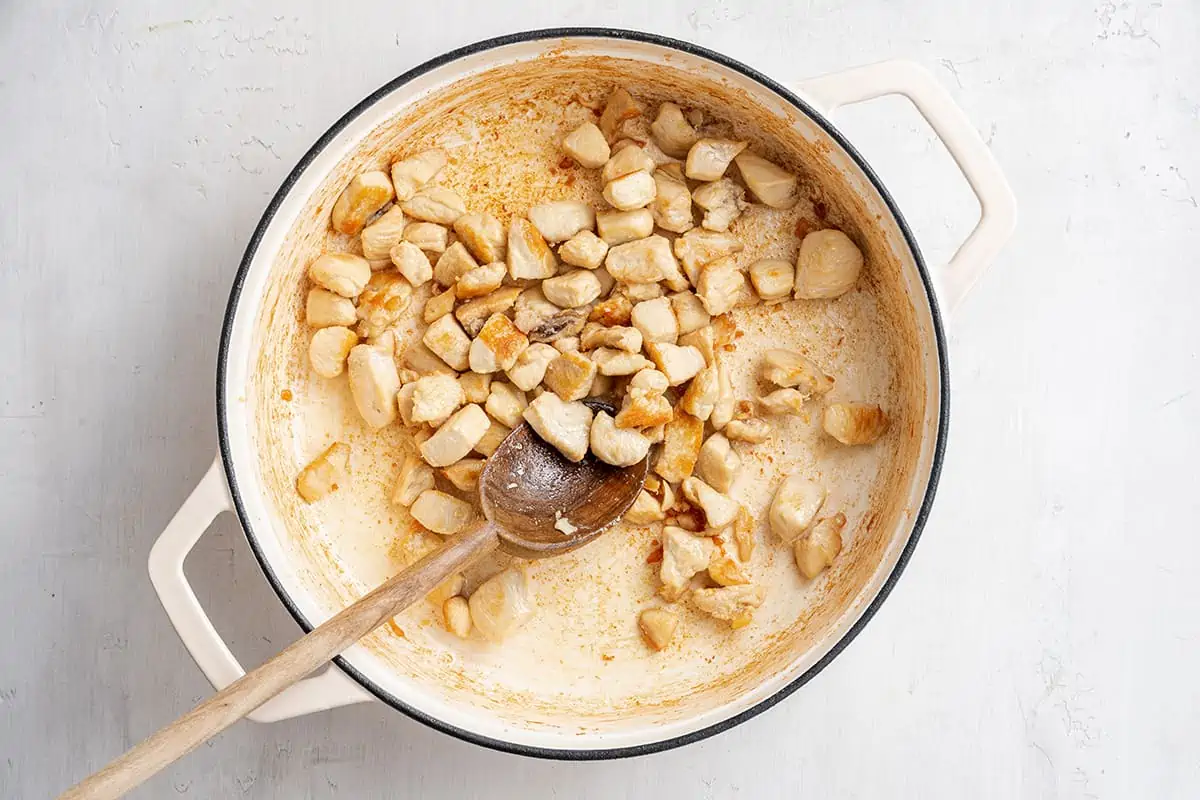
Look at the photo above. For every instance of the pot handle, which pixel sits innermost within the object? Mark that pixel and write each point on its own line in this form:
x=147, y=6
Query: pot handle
x=998, y=207
x=328, y=689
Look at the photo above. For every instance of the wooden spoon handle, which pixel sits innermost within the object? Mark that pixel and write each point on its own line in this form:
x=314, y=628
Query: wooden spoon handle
x=309, y=652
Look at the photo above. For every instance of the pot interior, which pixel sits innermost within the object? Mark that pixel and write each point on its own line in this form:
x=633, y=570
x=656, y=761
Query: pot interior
x=578, y=676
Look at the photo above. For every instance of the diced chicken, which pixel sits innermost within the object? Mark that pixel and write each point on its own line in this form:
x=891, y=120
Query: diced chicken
x=435, y=398
x=642, y=408
x=483, y=235
x=564, y=425
x=672, y=205
x=415, y=478
x=382, y=235
x=440, y=512
x=621, y=447
x=404, y=401
x=618, y=362
x=427, y=236
x=585, y=249
x=325, y=473
x=506, y=403
x=683, y=556
x=854, y=423
x=640, y=292
x=672, y=131
x=587, y=145
x=635, y=190
x=783, y=401
x=718, y=464
x=690, y=313
x=754, y=431
x=529, y=257
x=682, y=439
x=571, y=289
x=708, y=159
x=495, y=434
x=828, y=265
x=647, y=260
x=817, y=549
x=411, y=262
x=658, y=626
x=656, y=320
x=329, y=348
x=703, y=340
x=570, y=376
x=699, y=247
x=651, y=380
x=422, y=360
x=456, y=437
x=559, y=220
x=374, y=383
x=619, y=110
x=415, y=171
x=324, y=309
x=725, y=571
x=619, y=227
x=645, y=510
x=678, y=363
x=607, y=282
x=720, y=285
x=702, y=394
x=464, y=474
x=718, y=509
x=446, y=338
x=743, y=533
x=772, y=278
x=618, y=337
x=382, y=302
x=614, y=311
x=474, y=313
x=786, y=368
x=341, y=273
x=453, y=264
x=723, y=201
x=567, y=344
x=456, y=611
x=476, y=387
x=626, y=161
x=501, y=604
x=530, y=368
x=435, y=204
x=439, y=305
x=796, y=503
x=362, y=199
x=772, y=185
x=481, y=280
x=733, y=604
x=497, y=346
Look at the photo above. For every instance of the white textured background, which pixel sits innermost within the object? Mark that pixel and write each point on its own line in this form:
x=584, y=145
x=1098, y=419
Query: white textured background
x=1044, y=640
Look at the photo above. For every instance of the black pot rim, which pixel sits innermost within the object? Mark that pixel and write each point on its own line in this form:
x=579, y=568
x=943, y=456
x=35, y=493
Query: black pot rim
x=601, y=33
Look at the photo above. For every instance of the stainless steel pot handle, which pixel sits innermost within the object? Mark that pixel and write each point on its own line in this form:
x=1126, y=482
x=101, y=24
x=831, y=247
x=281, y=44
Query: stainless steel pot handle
x=325, y=690
x=998, y=207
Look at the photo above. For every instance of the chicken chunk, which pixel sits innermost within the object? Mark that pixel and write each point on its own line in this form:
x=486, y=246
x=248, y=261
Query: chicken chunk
x=529, y=257
x=483, y=235
x=672, y=131
x=565, y=425
x=683, y=556
x=754, y=431
x=456, y=437
x=587, y=145
x=621, y=447
x=506, y=403
x=614, y=311
x=690, y=313
x=699, y=247
x=324, y=309
x=329, y=348
x=412, y=173
x=435, y=398
x=620, y=109
x=645, y=510
x=382, y=235
x=720, y=286
x=772, y=278
x=772, y=185
x=854, y=423
x=325, y=473
x=733, y=604
x=828, y=265
x=492, y=438
x=796, y=503
x=435, y=204
x=817, y=549
x=427, y=236
x=362, y=199
x=570, y=376
x=559, y=220
x=464, y=474
x=678, y=363
x=635, y=190
x=412, y=263
x=446, y=338
x=783, y=401
x=620, y=227
x=585, y=249
x=501, y=604
x=384, y=299
x=453, y=264
x=374, y=382
x=718, y=464
x=474, y=313
x=718, y=509
x=476, y=387
x=789, y=369
x=618, y=362
x=708, y=159
x=415, y=478
x=480, y=281
x=441, y=513
x=341, y=273
x=658, y=626
x=572, y=289
x=682, y=439
x=702, y=394
x=498, y=345
x=723, y=201
x=647, y=260
x=671, y=208
x=531, y=366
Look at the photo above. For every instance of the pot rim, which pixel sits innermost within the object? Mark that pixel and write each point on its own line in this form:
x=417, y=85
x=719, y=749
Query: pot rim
x=223, y=354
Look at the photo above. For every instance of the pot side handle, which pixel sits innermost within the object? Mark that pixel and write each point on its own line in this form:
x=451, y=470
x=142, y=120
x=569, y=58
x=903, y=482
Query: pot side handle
x=998, y=207
x=328, y=689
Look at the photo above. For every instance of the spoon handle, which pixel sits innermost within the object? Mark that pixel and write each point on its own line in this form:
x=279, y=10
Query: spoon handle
x=306, y=654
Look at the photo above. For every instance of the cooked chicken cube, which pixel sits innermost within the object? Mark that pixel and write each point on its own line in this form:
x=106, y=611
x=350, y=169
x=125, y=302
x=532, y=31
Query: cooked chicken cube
x=683, y=556
x=618, y=337
x=456, y=611
x=718, y=509
x=640, y=292
x=404, y=401
x=618, y=111
x=587, y=145
x=651, y=380
x=412, y=262
x=585, y=249
x=571, y=289
x=618, y=362
x=645, y=510
x=415, y=478
x=565, y=425
x=718, y=464
x=360, y=200
x=531, y=366
x=703, y=340
x=678, y=363
x=754, y=431
x=506, y=403
x=673, y=133
x=570, y=376
x=681, y=447
x=329, y=348
x=635, y=190
x=723, y=201
x=723, y=411
x=435, y=204
x=325, y=309
x=529, y=257
x=796, y=503
x=702, y=394
x=854, y=423
x=439, y=305
x=733, y=604
x=435, y=398
x=725, y=571
x=374, y=382
x=382, y=235
x=671, y=209
x=783, y=401
x=428, y=236
x=787, y=368
x=690, y=313
x=440, y=512
x=642, y=408
x=464, y=474
x=647, y=260
x=381, y=303
x=699, y=247
x=708, y=159
x=772, y=185
x=492, y=438
x=658, y=626
x=616, y=310
x=474, y=313
x=772, y=278
x=501, y=604
x=621, y=447
x=423, y=361
x=567, y=344
x=607, y=282
x=446, y=338
x=483, y=235
x=341, y=273
x=656, y=320
x=456, y=437
x=619, y=227
x=453, y=264
x=720, y=284
x=476, y=387
x=559, y=220
x=415, y=171
x=497, y=346
x=626, y=161
x=481, y=280
x=817, y=549
x=828, y=265
x=325, y=473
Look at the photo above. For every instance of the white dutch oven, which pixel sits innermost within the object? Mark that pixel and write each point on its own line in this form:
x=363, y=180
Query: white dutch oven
x=554, y=693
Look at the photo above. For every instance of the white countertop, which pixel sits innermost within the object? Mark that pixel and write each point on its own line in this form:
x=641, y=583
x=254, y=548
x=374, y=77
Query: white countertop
x=1043, y=641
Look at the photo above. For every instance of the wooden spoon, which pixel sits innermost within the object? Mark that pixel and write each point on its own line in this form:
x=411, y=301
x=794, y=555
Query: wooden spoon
x=525, y=488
